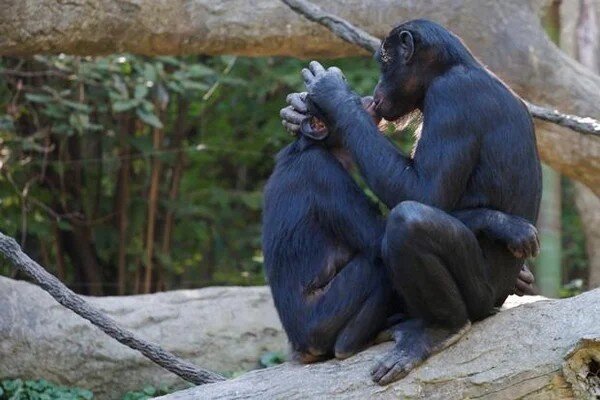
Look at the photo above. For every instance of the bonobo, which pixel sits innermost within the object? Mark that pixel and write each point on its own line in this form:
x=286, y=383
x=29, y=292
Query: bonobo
x=477, y=149
x=322, y=240
x=321, y=245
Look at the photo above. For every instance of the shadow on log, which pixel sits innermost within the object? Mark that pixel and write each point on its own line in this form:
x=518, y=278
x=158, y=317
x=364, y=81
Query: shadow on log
x=544, y=350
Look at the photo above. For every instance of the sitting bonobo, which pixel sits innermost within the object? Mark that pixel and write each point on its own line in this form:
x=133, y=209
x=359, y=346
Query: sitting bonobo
x=471, y=186
x=322, y=244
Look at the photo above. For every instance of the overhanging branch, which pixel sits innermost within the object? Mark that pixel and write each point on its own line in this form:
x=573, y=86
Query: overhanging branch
x=353, y=34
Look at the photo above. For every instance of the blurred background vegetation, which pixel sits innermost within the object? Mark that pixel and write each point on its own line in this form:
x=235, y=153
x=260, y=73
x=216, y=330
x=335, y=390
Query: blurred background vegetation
x=127, y=174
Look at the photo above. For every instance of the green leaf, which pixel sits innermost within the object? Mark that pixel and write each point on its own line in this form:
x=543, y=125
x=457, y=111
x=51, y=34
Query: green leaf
x=149, y=118
x=150, y=72
x=141, y=90
x=125, y=105
x=193, y=85
x=64, y=225
x=199, y=70
x=150, y=391
x=77, y=106
x=272, y=358
x=38, y=98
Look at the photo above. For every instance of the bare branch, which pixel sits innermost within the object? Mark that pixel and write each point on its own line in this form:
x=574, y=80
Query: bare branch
x=585, y=125
x=335, y=24
x=13, y=253
x=357, y=36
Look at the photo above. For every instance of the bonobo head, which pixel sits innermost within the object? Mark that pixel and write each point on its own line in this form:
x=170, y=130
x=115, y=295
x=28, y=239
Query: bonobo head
x=313, y=129
x=411, y=57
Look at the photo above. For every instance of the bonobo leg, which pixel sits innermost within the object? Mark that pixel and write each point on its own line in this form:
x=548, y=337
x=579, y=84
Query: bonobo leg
x=347, y=314
x=368, y=321
x=436, y=263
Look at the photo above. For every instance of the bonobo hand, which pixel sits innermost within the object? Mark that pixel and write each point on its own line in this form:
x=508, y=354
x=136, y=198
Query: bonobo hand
x=519, y=235
x=297, y=111
x=525, y=282
x=328, y=92
x=293, y=115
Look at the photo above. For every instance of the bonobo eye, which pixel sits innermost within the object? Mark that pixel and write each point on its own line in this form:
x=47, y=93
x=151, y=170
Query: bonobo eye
x=385, y=54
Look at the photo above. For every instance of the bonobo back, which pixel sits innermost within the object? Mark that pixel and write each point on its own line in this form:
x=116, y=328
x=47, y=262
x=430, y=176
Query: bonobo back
x=305, y=236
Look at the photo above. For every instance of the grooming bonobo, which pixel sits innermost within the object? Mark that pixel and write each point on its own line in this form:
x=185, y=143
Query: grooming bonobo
x=452, y=246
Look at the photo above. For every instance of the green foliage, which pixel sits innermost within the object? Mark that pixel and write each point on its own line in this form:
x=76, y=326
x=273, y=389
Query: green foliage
x=574, y=257
x=70, y=125
x=18, y=389
x=272, y=358
x=147, y=393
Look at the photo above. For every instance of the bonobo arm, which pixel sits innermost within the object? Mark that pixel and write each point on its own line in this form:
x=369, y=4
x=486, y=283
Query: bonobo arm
x=439, y=170
x=342, y=206
x=517, y=233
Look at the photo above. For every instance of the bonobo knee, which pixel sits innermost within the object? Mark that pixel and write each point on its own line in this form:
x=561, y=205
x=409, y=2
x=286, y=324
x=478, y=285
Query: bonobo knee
x=408, y=217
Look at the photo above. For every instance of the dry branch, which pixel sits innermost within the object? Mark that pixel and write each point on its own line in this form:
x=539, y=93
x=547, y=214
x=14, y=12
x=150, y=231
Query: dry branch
x=13, y=253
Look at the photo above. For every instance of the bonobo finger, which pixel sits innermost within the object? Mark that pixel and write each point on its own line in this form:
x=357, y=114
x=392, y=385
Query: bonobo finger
x=527, y=248
x=518, y=292
x=522, y=288
x=292, y=129
x=298, y=101
x=526, y=275
x=290, y=115
x=536, y=247
x=517, y=252
x=316, y=68
x=393, y=367
x=336, y=70
x=307, y=75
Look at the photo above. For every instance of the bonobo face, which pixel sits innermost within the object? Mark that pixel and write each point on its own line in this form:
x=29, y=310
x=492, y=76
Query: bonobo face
x=406, y=67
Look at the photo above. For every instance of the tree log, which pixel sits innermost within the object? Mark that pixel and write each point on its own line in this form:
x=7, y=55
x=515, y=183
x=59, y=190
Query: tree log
x=506, y=35
x=222, y=329
x=545, y=350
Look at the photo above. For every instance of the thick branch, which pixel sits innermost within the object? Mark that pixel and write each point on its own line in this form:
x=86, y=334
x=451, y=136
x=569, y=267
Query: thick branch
x=535, y=351
x=13, y=253
x=354, y=35
x=506, y=35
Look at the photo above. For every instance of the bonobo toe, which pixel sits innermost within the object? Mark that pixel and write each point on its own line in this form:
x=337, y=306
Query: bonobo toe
x=396, y=365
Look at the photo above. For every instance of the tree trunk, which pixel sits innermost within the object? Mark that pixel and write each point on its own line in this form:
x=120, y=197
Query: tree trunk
x=580, y=38
x=176, y=173
x=153, y=193
x=548, y=264
x=123, y=192
x=588, y=204
x=82, y=253
x=545, y=350
x=506, y=35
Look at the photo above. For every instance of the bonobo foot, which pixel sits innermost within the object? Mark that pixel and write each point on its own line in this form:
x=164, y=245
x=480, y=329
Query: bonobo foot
x=414, y=344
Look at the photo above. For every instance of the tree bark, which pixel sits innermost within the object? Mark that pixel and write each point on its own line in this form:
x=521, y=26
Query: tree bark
x=545, y=350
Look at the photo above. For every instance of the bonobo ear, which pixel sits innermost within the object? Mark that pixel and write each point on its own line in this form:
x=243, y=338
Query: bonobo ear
x=407, y=46
x=314, y=132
